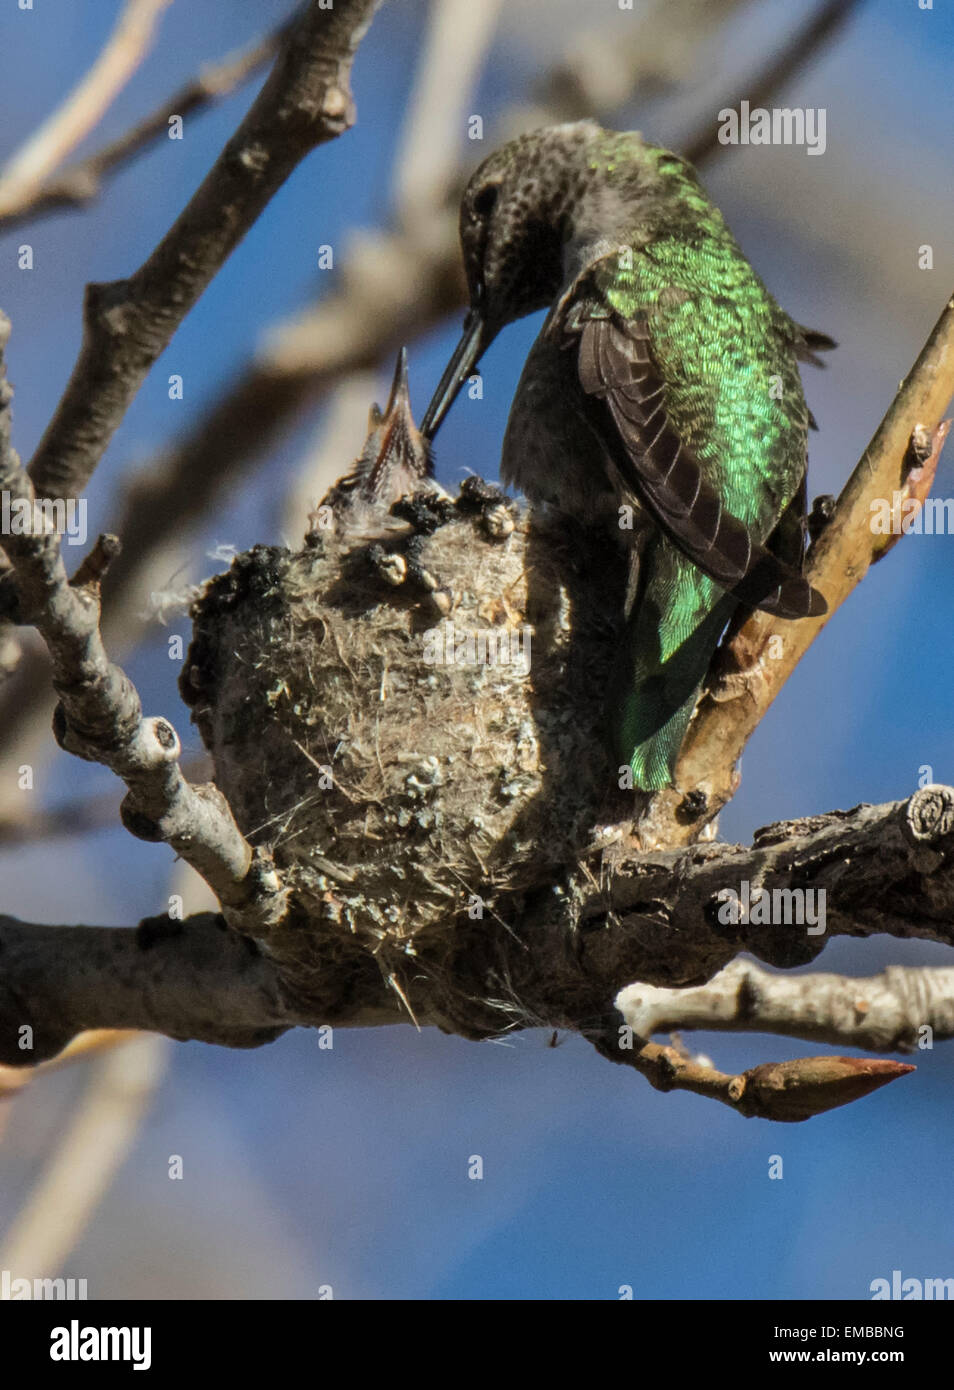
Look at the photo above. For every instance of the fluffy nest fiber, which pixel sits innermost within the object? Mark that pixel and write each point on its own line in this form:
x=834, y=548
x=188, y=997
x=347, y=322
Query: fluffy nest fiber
x=398, y=789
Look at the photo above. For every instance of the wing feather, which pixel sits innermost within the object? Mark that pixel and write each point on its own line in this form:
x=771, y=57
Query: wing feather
x=616, y=365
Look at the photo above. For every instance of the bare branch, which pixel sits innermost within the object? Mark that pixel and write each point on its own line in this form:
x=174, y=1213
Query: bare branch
x=317, y=105
x=99, y=716
x=890, y=1012
x=305, y=102
x=885, y=868
x=23, y=176
x=676, y=917
x=80, y=183
x=193, y=979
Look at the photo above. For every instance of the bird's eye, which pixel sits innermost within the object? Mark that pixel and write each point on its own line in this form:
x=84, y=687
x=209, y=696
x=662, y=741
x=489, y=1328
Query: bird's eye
x=485, y=200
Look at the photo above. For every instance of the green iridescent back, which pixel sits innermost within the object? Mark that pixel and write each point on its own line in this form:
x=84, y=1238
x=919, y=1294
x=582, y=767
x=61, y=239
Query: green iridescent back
x=726, y=353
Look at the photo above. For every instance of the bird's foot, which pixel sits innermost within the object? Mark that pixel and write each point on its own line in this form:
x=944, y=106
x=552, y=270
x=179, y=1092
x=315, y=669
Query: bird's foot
x=400, y=566
x=486, y=501
x=424, y=511
x=823, y=509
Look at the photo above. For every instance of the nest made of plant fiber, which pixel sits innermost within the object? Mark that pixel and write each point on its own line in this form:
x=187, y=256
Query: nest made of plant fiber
x=401, y=761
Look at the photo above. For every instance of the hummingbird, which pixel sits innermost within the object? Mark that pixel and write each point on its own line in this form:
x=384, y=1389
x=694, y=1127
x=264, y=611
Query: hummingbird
x=395, y=463
x=661, y=399
x=390, y=501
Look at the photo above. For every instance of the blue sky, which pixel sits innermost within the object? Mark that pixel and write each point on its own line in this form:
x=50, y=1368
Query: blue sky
x=349, y=1167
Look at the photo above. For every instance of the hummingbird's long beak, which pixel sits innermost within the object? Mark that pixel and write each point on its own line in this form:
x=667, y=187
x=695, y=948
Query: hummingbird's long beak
x=466, y=353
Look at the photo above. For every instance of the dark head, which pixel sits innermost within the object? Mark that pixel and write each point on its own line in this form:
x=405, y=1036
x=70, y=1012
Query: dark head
x=516, y=216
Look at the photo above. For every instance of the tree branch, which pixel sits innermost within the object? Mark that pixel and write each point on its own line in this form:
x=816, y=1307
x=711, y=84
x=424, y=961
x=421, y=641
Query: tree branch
x=189, y=980
x=79, y=183
x=676, y=917
x=99, y=716
x=23, y=176
x=558, y=963
x=305, y=102
x=781, y=1091
x=890, y=1012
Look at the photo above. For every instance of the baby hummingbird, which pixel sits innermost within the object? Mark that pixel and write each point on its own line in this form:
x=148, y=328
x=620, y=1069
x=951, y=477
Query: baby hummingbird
x=394, y=463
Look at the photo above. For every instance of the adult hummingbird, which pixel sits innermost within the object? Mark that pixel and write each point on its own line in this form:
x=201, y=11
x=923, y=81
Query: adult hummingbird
x=662, y=398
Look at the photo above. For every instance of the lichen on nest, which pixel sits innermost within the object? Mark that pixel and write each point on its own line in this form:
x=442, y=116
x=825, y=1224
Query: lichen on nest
x=404, y=760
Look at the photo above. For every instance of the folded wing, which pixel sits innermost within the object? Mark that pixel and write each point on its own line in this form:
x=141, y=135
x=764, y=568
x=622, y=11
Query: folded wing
x=617, y=365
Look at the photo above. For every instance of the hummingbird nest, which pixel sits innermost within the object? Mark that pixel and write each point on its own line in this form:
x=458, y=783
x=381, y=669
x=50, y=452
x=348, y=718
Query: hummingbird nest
x=412, y=723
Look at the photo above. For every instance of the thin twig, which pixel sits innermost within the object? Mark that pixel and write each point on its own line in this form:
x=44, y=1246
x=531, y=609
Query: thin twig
x=890, y=1012
x=79, y=183
x=23, y=176
x=305, y=102
x=782, y=1091
x=806, y=43
x=86, y=1159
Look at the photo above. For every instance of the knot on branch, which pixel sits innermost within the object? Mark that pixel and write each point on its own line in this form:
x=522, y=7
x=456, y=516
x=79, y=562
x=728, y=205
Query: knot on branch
x=266, y=899
x=928, y=817
x=92, y=729
x=109, y=305
x=161, y=740
x=138, y=823
x=338, y=107
x=96, y=563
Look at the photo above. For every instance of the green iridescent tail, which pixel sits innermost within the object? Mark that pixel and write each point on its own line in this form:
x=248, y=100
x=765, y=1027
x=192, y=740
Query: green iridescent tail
x=667, y=645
